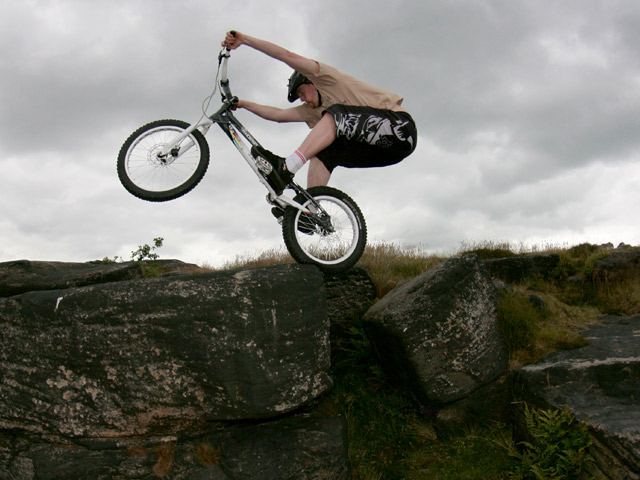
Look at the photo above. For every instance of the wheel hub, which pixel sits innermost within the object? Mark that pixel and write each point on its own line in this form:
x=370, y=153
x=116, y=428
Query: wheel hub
x=155, y=156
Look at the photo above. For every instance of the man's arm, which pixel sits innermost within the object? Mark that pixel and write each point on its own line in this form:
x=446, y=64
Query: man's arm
x=274, y=114
x=297, y=62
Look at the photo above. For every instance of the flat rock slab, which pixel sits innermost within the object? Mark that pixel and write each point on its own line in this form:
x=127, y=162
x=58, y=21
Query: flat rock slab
x=164, y=355
x=298, y=447
x=600, y=385
x=22, y=276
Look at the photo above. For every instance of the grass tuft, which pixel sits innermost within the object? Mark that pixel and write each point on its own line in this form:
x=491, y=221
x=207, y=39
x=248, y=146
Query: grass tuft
x=275, y=256
x=390, y=265
x=487, y=250
x=534, y=324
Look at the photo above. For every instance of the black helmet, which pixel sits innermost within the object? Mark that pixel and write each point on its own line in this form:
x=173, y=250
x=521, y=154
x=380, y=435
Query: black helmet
x=295, y=80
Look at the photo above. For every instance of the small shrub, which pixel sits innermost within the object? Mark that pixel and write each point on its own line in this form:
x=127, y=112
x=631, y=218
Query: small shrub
x=146, y=252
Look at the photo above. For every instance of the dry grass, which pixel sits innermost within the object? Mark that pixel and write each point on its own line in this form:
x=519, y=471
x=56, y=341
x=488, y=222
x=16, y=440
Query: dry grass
x=274, y=256
x=622, y=297
x=390, y=265
x=494, y=249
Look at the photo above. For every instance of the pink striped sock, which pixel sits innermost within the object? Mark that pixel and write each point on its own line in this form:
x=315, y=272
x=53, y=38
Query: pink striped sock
x=295, y=161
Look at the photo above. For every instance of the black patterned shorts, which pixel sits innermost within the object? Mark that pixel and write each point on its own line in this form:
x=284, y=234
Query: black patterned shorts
x=369, y=137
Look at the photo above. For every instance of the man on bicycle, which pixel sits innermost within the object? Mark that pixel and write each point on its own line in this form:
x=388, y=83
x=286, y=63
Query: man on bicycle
x=353, y=124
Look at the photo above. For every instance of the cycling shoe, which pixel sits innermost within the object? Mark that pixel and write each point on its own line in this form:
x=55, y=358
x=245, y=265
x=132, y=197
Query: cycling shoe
x=280, y=176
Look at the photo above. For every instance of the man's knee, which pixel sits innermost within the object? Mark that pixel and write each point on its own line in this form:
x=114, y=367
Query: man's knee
x=318, y=174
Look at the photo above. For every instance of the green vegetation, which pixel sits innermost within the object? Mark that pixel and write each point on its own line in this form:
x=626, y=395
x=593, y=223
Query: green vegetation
x=474, y=454
x=392, y=437
x=534, y=324
x=580, y=281
x=147, y=252
x=558, y=448
x=146, y=255
x=379, y=417
x=143, y=252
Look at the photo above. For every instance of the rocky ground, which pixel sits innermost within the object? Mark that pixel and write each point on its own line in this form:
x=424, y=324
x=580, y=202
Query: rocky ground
x=130, y=372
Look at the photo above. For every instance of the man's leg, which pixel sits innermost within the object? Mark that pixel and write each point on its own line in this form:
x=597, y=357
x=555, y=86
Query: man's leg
x=321, y=136
x=318, y=175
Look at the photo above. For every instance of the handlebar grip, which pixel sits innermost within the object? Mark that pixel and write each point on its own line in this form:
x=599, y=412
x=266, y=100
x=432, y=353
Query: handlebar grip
x=233, y=34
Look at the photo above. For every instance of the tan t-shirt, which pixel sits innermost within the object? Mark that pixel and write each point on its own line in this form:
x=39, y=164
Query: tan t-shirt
x=336, y=87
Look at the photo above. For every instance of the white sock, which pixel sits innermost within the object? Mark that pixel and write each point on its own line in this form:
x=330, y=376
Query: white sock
x=295, y=161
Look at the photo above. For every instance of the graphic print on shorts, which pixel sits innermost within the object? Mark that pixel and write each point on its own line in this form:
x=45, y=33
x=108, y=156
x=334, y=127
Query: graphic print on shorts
x=346, y=124
x=379, y=128
x=383, y=133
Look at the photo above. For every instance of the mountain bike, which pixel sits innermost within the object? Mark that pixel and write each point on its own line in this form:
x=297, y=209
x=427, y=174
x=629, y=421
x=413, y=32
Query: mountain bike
x=165, y=159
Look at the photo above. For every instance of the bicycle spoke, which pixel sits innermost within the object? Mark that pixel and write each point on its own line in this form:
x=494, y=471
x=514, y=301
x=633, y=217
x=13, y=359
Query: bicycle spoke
x=327, y=246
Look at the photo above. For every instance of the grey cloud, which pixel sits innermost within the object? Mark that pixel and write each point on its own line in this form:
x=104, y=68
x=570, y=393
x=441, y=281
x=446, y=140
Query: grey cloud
x=469, y=67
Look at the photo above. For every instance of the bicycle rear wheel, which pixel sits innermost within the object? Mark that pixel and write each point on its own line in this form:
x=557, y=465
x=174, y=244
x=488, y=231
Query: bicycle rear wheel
x=334, y=244
x=147, y=174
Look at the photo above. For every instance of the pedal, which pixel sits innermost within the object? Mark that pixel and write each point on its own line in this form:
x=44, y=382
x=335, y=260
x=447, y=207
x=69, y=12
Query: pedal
x=264, y=166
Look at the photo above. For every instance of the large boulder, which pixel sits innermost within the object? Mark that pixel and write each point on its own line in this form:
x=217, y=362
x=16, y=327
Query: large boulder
x=165, y=355
x=20, y=276
x=600, y=385
x=438, y=333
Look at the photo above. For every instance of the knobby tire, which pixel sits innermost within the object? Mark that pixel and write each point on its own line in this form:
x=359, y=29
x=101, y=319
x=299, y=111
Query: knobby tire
x=137, y=154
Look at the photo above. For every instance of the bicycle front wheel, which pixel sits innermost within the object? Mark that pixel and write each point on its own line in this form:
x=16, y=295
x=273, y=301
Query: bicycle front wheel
x=334, y=244
x=150, y=174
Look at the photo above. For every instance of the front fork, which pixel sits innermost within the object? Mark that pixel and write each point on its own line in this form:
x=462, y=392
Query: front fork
x=176, y=148
x=319, y=214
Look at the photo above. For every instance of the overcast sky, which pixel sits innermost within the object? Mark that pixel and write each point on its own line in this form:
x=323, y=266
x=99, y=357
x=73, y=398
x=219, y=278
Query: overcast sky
x=528, y=115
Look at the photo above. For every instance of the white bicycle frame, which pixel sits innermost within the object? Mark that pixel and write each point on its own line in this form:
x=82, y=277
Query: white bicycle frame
x=231, y=126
